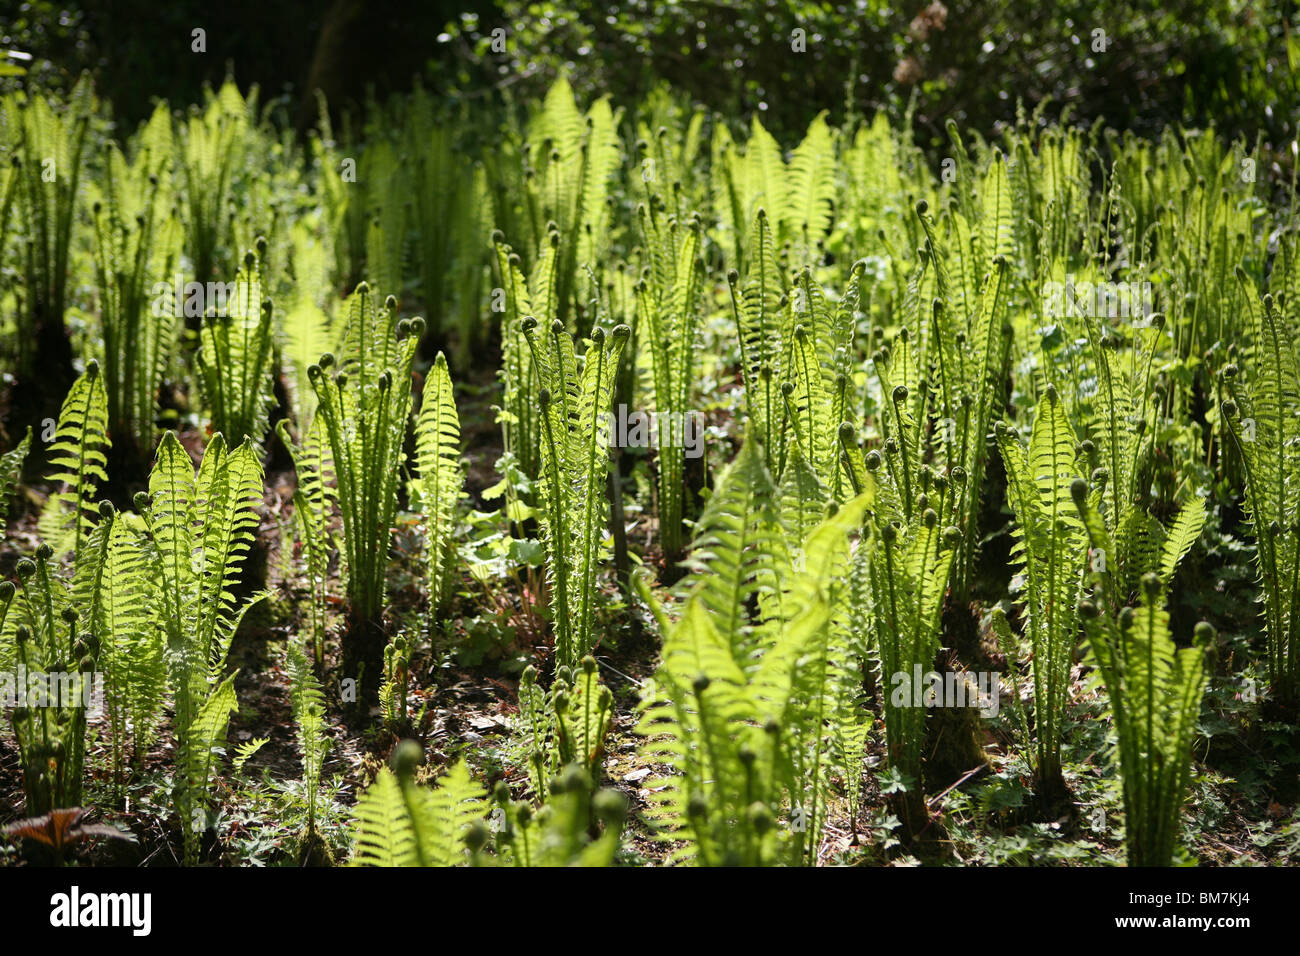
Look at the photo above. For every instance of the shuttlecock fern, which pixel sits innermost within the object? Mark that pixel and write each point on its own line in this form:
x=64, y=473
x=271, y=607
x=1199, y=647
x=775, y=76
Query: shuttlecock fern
x=743, y=705
x=1261, y=418
x=309, y=715
x=115, y=585
x=11, y=468
x=78, y=461
x=1155, y=699
x=201, y=527
x=365, y=408
x=400, y=823
x=574, y=432
x=236, y=356
x=1050, y=540
x=441, y=477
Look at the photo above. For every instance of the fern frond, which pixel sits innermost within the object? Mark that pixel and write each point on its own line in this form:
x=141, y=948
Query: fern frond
x=78, y=459
x=437, y=438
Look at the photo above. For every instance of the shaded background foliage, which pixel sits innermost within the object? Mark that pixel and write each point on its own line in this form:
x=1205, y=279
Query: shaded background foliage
x=1196, y=61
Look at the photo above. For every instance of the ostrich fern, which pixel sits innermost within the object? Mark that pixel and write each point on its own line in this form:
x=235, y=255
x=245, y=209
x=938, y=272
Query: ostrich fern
x=574, y=405
x=11, y=469
x=237, y=355
x=78, y=461
x=743, y=706
x=39, y=635
x=1155, y=699
x=1261, y=418
x=365, y=408
x=137, y=239
x=667, y=307
x=51, y=159
x=438, y=487
x=200, y=528
x=400, y=823
x=114, y=585
x=1050, y=540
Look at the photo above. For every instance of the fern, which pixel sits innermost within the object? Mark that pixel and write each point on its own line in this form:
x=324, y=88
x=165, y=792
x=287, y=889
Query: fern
x=39, y=637
x=11, y=468
x=739, y=706
x=365, y=407
x=212, y=146
x=309, y=715
x=200, y=527
x=236, y=355
x=78, y=459
x=50, y=171
x=1155, y=699
x=565, y=727
x=438, y=487
x=574, y=426
x=560, y=834
x=1050, y=542
x=755, y=305
x=667, y=307
x=137, y=240
x=114, y=586
x=1260, y=417
x=399, y=823
x=904, y=570
x=313, y=504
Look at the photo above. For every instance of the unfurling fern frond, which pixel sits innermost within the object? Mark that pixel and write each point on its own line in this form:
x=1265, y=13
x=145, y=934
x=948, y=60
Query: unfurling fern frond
x=566, y=725
x=561, y=833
